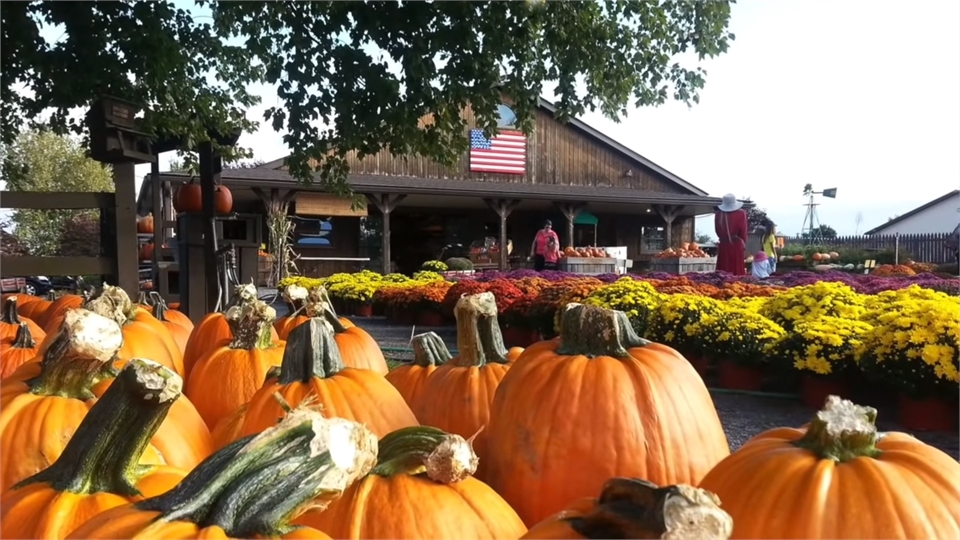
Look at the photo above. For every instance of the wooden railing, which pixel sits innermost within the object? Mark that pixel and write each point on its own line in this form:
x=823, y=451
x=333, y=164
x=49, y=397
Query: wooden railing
x=118, y=233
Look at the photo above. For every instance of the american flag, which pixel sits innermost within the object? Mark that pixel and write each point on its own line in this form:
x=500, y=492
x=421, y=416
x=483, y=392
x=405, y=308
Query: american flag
x=505, y=153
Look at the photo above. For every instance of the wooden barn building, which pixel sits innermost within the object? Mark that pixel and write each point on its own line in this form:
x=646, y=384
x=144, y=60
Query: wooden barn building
x=590, y=186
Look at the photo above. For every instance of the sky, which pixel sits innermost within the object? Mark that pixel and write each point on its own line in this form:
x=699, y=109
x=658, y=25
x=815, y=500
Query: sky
x=858, y=95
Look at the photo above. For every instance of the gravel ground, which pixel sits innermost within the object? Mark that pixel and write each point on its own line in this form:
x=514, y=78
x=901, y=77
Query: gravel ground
x=742, y=415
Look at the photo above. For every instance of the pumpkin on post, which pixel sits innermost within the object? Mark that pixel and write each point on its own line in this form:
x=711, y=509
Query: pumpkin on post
x=313, y=371
x=43, y=403
x=230, y=375
x=634, y=508
x=429, y=351
x=358, y=349
x=457, y=395
x=421, y=487
x=254, y=487
x=598, y=380
x=838, y=477
x=108, y=461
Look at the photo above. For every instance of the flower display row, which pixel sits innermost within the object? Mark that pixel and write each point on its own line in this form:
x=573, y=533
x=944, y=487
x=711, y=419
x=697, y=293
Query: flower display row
x=839, y=329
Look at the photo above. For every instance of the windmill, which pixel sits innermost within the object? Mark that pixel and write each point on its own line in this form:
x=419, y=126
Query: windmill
x=811, y=230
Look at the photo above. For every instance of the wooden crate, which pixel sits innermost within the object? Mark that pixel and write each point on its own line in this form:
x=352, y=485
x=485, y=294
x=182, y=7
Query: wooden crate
x=684, y=266
x=264, y=271
x=590, y=266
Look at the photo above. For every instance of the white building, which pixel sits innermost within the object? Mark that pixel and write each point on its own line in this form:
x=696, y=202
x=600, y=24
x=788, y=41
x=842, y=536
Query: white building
x=940, y=215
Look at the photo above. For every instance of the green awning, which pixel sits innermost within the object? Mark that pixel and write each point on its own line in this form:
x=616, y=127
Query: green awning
x=585, y=218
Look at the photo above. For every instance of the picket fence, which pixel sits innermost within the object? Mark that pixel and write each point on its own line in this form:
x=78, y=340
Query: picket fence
x=930, y=248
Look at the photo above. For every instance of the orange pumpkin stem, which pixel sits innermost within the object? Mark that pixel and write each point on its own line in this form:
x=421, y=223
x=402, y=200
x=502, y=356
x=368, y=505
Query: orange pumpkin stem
x=842, y=431
x=104, y=452
x=634, y=508
x=479, y=340
x=429, y=350
x=255, y=486
x=251, y=322
x=79, y=355
x=594, y=331
x=10, y=315
x=24, y=339
x=311, y=351
x=445, y=458
x=295, y=295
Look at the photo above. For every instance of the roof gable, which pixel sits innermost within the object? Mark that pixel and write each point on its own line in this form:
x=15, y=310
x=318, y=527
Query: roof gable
x=590, y=132
x=914, y=212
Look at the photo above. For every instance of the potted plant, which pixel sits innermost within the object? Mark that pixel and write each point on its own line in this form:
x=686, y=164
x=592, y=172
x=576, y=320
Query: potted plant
x=676, y=322
x=824, y=351
x=913, y=348
x=741, y=342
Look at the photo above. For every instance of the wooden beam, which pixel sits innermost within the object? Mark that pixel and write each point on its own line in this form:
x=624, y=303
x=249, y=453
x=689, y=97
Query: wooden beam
x=503, y=208
x=570, y=211
x=157, y=218
x=210, y=167
x=55, y=266
x=127, y=254
x=62, y=200
x=386, y=202
x=669, y=213
x=274, y=195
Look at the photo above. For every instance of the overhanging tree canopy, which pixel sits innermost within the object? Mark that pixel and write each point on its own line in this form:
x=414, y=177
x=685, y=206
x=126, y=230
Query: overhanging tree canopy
x=337, y=94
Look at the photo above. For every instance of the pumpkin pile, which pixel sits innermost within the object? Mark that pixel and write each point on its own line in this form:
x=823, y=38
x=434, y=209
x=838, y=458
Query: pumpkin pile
x=585, y=252
x=687, y=250
x=595, y=434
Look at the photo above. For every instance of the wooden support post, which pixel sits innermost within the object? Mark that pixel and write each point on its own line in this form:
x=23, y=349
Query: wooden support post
x=669, y=213
x=127, y=254
x=158, y=236
x=386, y=202
x=570, y=211
x=210, y=168
x=503, y=208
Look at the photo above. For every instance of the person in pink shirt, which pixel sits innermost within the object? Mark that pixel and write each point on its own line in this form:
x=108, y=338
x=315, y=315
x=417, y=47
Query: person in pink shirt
x=552, y=255
x=540, y=246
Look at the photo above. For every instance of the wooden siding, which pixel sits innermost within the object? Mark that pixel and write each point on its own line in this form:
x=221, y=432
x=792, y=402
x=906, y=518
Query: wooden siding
x=557, y=154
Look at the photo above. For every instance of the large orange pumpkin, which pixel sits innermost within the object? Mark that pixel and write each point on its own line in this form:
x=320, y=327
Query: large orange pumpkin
x=228, y=377
x=17, y=351
x=429, y=351
x=313, y=371
x=213, y=329
x=598, y=381
x=143, y=335
x=178, y=324
x=103, y=464
x=457, y=396
x=222, y=199
x=633, y=508
x=10, y=321
x=839, y=478
x=421, y=488
x=50, y=320
x=43, y=403
x=252, y=488
x=31, y=307
x=357, y=348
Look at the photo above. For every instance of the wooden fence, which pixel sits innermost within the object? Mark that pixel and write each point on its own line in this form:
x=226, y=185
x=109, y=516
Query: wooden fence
x=118, y=230
x=918, y=247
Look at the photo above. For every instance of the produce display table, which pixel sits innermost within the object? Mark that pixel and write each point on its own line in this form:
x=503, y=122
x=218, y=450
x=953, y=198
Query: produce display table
x=588, y=265
x=684, y=265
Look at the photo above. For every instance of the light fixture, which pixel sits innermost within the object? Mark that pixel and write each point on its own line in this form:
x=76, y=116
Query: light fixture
x=649, y=210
